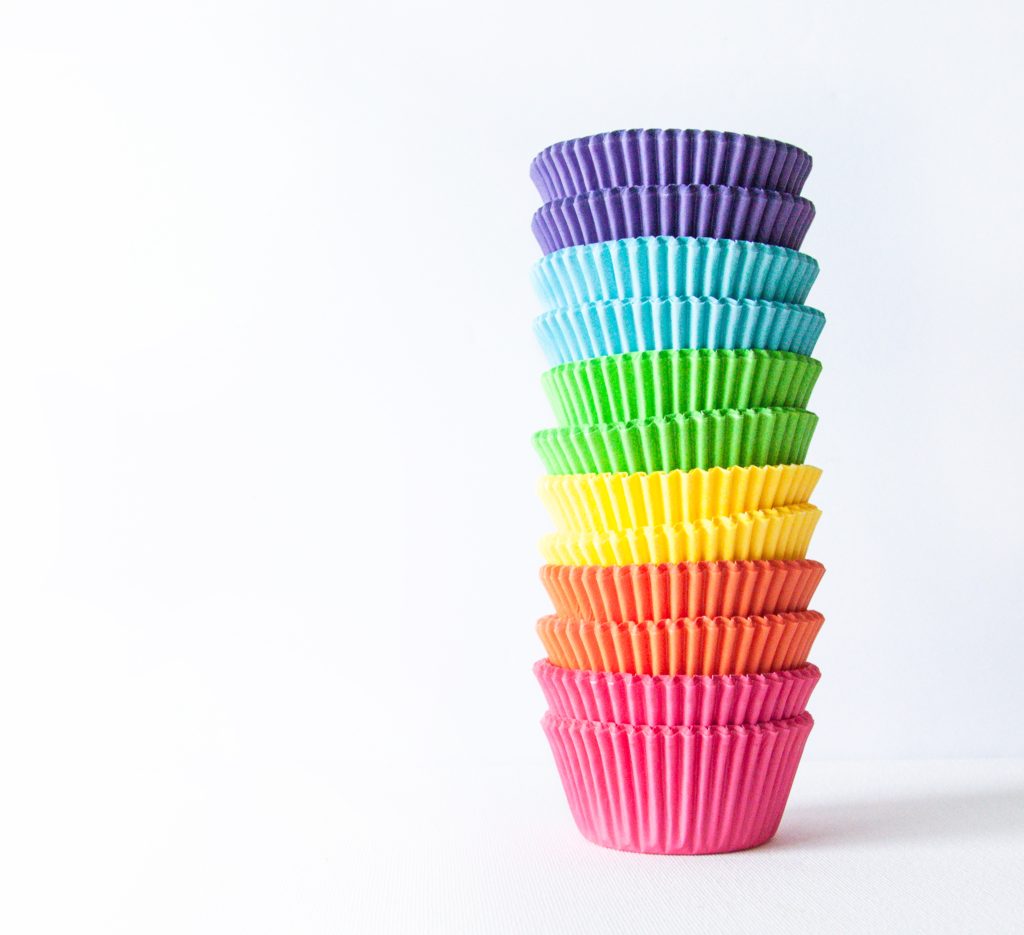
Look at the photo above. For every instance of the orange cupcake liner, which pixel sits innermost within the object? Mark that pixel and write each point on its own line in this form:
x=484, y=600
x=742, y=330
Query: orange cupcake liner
x=701, y=646
x=622, y=593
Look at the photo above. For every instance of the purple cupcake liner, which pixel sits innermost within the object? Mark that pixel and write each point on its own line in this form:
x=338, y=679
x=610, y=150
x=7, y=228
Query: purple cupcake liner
x=668, y=157
x=694, y=210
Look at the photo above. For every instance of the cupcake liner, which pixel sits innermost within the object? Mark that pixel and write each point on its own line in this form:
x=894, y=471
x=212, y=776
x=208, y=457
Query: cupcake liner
x=650, y=384
x=621, y=326
x=668, y=157
x=677, y=790
x=673, y=267
x=676, y=701
x=674, y=211
x=720, y=438
x=610, y=502
x=621, y=593
x=688, y=646
x=781, y=533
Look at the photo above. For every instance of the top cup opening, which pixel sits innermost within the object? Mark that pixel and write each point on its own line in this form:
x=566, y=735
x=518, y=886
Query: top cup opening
x=668, y=157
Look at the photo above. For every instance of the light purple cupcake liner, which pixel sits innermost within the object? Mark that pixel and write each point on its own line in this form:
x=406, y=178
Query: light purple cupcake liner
x=668, y=157
x=674, y=211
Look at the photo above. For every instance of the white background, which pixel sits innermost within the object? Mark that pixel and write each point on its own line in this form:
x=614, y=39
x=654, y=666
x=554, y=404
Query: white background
x=268, y=518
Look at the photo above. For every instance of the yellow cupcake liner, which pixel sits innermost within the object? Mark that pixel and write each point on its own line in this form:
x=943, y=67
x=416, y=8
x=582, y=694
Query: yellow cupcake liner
x=614, y=502
x=781, y=533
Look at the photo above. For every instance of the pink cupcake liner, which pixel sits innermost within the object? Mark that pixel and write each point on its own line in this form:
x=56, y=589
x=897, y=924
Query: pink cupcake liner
x=676, y=701
x=677, y=790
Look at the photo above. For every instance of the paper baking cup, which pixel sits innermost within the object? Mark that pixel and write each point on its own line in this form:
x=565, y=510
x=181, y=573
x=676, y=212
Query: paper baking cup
x=721, y=438
x=621, y=593
x=621, y=326
x=607, y=502
x=668, y=157
x=673, y=267
x=677, y=790
x=701, y=646
x=782, y=533
x=676, y=701
x=674, y=211
x=649, y=384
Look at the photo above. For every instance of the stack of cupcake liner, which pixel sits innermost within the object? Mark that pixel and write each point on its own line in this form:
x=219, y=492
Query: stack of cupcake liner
x=674, y=323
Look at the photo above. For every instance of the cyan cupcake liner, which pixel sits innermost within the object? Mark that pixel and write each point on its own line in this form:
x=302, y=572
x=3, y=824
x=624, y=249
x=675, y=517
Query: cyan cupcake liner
x=620, y=326
x=673, y=267
x=667, y=157
x=674, y=211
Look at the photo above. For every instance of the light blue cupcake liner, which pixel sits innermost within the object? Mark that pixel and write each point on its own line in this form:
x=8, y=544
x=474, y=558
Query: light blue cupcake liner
x=673, y=267
x=619, y=326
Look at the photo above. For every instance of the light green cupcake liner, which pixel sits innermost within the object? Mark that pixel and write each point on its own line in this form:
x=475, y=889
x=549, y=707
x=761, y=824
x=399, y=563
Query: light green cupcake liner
x=651, y=384
x=719, y=438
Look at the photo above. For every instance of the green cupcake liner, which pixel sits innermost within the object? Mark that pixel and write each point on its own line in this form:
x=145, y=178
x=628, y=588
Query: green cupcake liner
x=651, y=384
x=681, y=442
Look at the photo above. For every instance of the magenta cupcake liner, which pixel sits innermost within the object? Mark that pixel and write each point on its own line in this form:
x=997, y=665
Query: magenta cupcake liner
x=677, y=790
x=668, y=157
x=676, y=701
x=674, y=211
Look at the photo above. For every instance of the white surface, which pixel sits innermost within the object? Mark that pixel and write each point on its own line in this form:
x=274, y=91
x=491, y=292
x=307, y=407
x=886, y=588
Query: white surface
x=267, y=383
x=928, y=846
x=328, y=846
